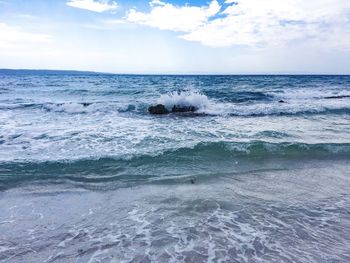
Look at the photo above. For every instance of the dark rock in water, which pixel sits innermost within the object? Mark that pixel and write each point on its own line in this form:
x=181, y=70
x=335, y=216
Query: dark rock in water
x=183, y=109
x=161, y=109
x=281, y=101
x=158, y=109
x=338, y=97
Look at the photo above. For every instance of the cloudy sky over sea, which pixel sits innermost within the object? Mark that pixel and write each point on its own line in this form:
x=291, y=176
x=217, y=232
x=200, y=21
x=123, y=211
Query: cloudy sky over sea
x=243, y=36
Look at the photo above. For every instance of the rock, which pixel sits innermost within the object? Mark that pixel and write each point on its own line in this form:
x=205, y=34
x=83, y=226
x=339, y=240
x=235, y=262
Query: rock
x=161, y=109
x=158, y=109
x=281, y=101
x=183, y=109
x=338, y=97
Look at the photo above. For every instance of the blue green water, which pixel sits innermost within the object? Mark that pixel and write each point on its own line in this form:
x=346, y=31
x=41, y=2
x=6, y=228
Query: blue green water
x=259, y=173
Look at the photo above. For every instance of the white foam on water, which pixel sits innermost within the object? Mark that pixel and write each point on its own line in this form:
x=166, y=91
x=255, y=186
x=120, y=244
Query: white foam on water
x=184, y=99
x=311, y=94
x=67, y=107
x=297, y=101
x=275, y=108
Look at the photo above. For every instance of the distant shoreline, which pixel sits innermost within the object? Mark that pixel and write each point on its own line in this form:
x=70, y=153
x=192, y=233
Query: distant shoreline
x=79, y=72
x=48, y=71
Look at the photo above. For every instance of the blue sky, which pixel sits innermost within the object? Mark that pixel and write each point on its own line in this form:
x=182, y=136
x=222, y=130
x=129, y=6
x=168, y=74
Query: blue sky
x=185, y=37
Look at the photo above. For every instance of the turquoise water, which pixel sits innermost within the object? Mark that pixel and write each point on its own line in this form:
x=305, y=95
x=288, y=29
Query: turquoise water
x=260, y=173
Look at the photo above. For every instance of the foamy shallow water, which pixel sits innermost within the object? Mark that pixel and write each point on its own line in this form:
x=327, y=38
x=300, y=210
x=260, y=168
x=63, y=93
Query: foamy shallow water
x=301, y=214
x=87, y=175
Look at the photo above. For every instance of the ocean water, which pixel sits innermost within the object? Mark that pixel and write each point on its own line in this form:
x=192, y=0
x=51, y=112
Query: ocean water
x=259, y=173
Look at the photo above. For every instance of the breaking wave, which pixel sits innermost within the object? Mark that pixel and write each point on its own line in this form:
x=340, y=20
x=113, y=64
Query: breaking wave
x=259, y=104
x=210, y=158
x=235, y=104
x=77, y=107
x=184, y=99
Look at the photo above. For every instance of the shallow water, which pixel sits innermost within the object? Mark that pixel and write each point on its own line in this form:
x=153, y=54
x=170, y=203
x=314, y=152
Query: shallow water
x=87, y=175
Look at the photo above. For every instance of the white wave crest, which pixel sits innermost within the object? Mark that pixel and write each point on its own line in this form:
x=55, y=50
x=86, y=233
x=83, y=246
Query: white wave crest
x=67, y=108
x=184, y=99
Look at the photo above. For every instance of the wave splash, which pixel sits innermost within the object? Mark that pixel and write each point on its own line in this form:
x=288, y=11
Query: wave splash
x=184, y=99
x=264, y=103
x=236, y=104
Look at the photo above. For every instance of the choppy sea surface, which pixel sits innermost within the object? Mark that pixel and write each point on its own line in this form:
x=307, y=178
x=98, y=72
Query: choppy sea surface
x=259, y=173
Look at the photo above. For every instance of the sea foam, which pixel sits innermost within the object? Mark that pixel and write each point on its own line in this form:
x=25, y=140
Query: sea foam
x=184, y=99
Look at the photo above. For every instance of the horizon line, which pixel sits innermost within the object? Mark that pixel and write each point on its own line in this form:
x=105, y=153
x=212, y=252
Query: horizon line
x=77, y=71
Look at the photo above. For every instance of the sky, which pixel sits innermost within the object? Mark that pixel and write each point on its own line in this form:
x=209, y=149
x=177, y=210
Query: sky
x=176, y=36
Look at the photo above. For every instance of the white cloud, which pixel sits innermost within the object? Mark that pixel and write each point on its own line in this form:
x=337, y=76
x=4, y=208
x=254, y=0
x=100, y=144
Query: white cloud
x=171, y=17
x=10, y=36
x=256, y=23
x=94, y=5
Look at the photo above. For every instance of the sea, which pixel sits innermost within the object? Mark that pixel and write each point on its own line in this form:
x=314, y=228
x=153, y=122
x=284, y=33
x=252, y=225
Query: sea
x=260, y=172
